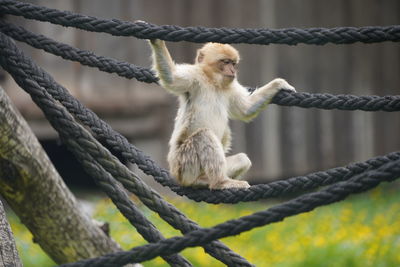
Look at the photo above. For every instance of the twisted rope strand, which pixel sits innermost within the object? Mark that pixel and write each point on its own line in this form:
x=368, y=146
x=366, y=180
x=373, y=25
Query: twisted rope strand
x=120, y=145
x=102, y=178
x=88, y=150
x=87, y=58
x=287, y=186
x=142, y=30
x=15, y=62
x=334, y=193
x=124, y=69
x=341, y=102
x=120, y=198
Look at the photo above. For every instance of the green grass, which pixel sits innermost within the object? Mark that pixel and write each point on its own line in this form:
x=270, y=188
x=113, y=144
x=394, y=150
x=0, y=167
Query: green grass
x=363, y=230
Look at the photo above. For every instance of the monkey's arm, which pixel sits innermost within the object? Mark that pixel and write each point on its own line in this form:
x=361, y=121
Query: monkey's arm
x=245, y=106
x=175, y=78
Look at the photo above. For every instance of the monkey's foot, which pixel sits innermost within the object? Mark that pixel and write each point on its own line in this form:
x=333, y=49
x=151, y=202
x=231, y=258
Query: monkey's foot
x=201, y=181
x=229, y=183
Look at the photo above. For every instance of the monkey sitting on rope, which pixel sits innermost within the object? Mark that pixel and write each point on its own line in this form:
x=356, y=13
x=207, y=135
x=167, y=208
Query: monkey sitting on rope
x=209, y=95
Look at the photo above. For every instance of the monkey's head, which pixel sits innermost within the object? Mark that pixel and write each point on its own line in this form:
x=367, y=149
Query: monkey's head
x=219, y=62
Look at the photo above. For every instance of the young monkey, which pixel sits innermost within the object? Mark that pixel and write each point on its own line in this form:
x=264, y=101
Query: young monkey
x=209, y=95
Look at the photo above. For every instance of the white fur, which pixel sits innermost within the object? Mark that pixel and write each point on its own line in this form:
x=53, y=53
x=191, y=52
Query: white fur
x=206, y=106
x=201, y=133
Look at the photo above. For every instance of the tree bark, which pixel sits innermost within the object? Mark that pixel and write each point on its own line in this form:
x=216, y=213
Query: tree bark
x=35, y=191
x=8, y=251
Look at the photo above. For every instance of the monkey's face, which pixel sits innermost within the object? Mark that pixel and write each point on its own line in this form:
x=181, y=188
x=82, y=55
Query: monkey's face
x=227, y=67
x=222, y=70
x=219, y=62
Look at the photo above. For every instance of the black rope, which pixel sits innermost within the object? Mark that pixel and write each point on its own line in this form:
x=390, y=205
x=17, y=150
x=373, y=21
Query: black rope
x=87, y=150
x=87, y=58
x=104, y=180
x=120, y=145
x=334, y=193
x=287, y=186
x=124, y=69
x=290, y=36
x=341, y=102
x=15, y=62
x=120, y=198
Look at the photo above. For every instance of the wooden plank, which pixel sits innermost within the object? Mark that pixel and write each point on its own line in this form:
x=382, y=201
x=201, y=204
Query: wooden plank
x=387, y=125
x=309, y=81
x=99, y=88
x=340, y=84
x=291, y=67
x=331, y=78
x=270, y=119
x=57, y=67
x=250, y=75
x=363, y=76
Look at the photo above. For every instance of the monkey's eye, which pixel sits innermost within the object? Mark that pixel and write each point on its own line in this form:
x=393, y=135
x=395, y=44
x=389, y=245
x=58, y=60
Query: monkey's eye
x=228, y=61
x=234, y=64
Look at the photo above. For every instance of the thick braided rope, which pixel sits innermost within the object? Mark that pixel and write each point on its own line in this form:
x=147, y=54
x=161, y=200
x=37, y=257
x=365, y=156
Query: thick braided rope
x=87, y=58
x=121, y=199
x=117, y=193
x=57, y=115
x=360, y=183
x=114, y=190
x=290, y=36
x=287, y=186
x=124, y=69
x=104, y=132
x=341, y=102
x=120, y=145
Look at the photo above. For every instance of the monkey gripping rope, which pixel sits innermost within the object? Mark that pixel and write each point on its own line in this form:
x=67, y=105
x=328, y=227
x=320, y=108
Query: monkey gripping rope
x=353, y=178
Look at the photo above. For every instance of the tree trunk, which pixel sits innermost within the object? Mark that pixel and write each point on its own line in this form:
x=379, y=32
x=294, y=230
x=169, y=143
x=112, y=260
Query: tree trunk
x=8, y=251
x=38, y=195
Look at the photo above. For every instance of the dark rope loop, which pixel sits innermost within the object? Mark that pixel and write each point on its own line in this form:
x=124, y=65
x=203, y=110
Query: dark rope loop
x=341, y=102
x=334, y=193
x=35, y=81
x=358, y=177
x=121, y=146
x=286, y=186
x=124, y=69
x=142, y=30
x=86, y=58
x=120, y=198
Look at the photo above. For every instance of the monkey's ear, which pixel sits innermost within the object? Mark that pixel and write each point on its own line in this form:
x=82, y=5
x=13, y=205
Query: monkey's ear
x=200, y=56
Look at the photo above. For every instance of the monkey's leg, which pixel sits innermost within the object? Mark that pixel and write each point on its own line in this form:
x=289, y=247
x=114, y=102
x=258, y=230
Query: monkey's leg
x=237, y=165
x=184, y=163
x=212, y=160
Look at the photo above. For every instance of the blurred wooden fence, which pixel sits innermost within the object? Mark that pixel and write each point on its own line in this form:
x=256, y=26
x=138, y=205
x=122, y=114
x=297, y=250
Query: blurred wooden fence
x=283, y=141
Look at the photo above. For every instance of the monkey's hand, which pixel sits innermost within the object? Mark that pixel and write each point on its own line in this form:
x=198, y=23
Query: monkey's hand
x=250, y=106
x=156, y=42
x=140, y=21
x=282, y=84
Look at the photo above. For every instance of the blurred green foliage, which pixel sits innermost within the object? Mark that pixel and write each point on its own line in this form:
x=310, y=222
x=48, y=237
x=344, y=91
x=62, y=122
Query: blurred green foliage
x=362, y=231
